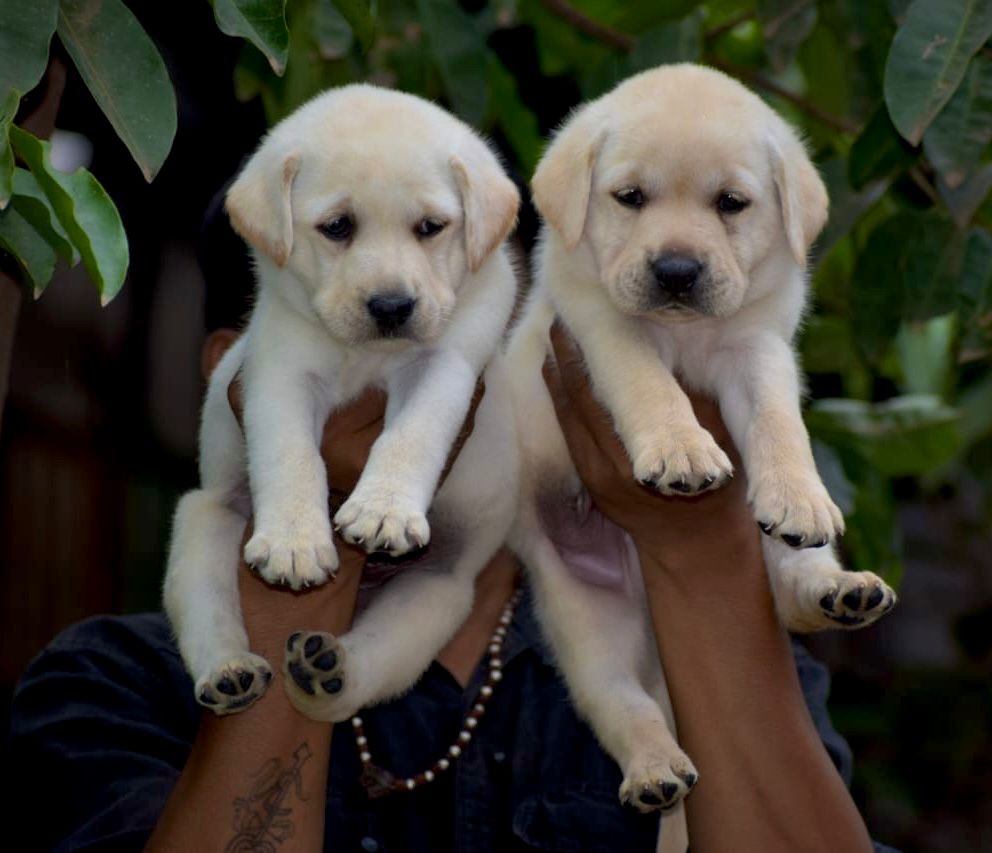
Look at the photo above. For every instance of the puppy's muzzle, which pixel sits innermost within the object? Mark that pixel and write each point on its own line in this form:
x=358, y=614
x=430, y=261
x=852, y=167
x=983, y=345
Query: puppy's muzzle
x=390, y=311
x=676, y=274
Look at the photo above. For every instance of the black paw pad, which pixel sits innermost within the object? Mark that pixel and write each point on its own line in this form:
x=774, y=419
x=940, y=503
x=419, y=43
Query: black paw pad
x=291, y=641
x=852, y=600
x=668, y=790
x=680, y=486
x=690, y=780
x=648, y=798
x=844, y=619
x=227, y=686
x=793, y=540
x=326, y=662
x=246, y=679
x=875, y=598
x=820, y=543
x=828, y=601
x=312, y=645
x=709, y=481
x=302, y=678
x=207, y=699
x=332, y=685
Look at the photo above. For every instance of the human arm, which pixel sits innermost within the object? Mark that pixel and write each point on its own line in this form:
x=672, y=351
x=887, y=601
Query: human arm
x=766, y=781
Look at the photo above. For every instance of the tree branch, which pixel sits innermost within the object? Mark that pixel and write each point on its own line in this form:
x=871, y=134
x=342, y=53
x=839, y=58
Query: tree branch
x=583, y=23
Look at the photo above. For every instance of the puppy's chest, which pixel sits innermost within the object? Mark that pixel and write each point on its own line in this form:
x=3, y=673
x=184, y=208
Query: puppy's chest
x=690, y=352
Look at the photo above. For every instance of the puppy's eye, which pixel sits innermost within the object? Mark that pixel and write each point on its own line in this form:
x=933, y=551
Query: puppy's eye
x=429, y=227
x=339, y=229
x=630, y=197
x=731, y=203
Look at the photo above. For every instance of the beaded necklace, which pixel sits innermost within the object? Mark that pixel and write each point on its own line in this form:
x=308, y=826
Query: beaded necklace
x=378, y=782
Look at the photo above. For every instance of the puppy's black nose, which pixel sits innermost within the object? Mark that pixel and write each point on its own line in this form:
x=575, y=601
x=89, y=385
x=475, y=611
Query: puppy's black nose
x=390, y=311
x=676, y=274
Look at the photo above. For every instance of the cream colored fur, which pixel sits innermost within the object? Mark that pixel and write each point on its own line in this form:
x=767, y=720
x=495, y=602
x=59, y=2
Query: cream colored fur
x=388, y=161
x=683, y=135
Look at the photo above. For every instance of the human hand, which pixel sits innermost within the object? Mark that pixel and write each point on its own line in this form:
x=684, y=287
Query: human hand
x=675, y=532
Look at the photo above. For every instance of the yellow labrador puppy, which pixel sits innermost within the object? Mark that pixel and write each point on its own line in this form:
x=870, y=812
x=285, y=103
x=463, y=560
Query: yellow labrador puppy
x=679, y=210
x=377, y=222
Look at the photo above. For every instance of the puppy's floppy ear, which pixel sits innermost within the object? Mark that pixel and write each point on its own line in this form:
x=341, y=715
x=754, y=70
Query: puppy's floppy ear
x=800, y=190
x=259, y=201
x=563, y=179
x=490, y=200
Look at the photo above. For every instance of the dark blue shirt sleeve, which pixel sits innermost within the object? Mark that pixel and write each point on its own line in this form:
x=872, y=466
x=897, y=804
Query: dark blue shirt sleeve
x=99, y=734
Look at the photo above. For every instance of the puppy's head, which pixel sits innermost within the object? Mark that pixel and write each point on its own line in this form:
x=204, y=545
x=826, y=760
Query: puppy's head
x=682, y=184
x=373, y=206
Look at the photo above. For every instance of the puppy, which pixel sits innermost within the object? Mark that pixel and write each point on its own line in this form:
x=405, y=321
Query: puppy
x=377, y=223
x=679, y=210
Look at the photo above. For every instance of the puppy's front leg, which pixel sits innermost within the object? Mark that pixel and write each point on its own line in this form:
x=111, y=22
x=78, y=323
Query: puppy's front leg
x=758, y=388
x=284, y=412
x=669, y=450
x=427, y=404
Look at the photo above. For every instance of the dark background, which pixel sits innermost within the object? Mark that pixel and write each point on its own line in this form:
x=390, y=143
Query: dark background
x=99, y=428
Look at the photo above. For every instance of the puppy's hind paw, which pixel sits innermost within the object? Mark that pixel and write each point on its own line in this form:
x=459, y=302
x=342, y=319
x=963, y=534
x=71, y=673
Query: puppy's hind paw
x=856, y=600
x=658, y=782
x=235, y=684
x=315, y=676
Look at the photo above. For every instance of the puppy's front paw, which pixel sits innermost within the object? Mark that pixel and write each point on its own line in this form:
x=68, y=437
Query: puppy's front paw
x=684, y=461
x=382, y=520
x=856, y=599
x=234, y=684
x=299, y=555
x=796, y=508
x=658, y=781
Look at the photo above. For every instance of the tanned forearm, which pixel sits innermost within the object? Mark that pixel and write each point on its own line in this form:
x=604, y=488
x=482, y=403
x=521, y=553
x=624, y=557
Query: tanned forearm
x=766, y=782
x=257, y=780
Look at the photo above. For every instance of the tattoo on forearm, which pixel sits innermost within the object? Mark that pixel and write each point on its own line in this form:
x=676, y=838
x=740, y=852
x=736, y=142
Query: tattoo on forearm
x=262, y=820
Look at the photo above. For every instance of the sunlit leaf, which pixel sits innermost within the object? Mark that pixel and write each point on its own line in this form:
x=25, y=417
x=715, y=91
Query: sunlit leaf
x=85, y=211
x=961, y=134
x=903, y=436
x=926, y=355
x=126, y=75
x=261, y=22
x=928, y=59
x=25, y=33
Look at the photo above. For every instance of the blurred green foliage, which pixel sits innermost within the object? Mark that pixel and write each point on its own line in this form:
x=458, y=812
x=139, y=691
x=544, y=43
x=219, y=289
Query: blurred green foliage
x=894, y=97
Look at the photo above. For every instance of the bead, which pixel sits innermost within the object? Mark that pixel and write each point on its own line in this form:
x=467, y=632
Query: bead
x=428, y=775
x=495, y=675
x=366, y=757
x=486, y=690
x=464, y=737
x=410, y=784
x=356, y=722
x=500, y=632
x=479, y=708
x=454, y=751
x=494, y=648
x=361, y=740
x=444, y=764
x=496, y=663
x=471, y=722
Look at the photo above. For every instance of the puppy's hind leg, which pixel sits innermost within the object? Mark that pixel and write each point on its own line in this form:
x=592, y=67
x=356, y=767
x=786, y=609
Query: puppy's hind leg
x=202, y=601
x=813, y=592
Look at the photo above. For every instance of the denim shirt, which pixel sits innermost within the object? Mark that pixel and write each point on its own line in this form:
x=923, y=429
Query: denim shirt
x=103, y=721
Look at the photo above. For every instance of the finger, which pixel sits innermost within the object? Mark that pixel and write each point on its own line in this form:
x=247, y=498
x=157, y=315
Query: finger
x=586, y=454
x=367, y=411
x=581, y=400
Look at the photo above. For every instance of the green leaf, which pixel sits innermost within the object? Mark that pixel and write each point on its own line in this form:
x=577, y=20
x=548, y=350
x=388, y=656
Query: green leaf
x=878, y=152
x=928, y=58
x=634, y=18
x=85, y=211
x=961, y=134
x=261, y=22
x=975, y=296
x=517, y=122
x=964, y=200
x=30, y=201
x=975, y=405
x=846, y=205
x=460, y=52
x=6, y=166
x=906, y=270
x=31, y=251
x=126, y=75
x=831, y=470
x=24, y=38
x=903, y=436
x=785, y=25
x=332, y=31
x=561, y=48
x=873, y=538
x=681, y=41
x=360, y=14
x=926, y=355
